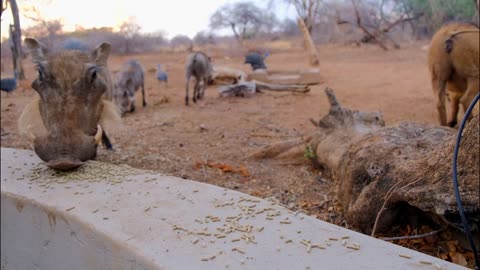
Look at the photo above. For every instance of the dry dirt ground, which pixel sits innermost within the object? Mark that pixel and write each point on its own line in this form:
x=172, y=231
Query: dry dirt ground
x=171, y=138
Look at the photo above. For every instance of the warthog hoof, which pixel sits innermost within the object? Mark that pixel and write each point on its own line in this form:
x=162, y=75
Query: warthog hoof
x=452, y=123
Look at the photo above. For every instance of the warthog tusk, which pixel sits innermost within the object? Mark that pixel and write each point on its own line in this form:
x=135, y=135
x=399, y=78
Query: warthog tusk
x=98, y=135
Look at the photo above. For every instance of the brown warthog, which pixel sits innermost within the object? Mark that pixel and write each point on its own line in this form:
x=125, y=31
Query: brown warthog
x=65, y=122
x=453, y=61
x=127, y=82
x=199, y=66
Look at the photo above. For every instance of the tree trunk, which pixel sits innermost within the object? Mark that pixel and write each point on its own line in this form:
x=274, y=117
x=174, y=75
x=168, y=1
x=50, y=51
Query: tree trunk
x=477, y=13
x=249, y=88
x=225, y=75
x=309, y=45
x=16, y=38
x=408, y=161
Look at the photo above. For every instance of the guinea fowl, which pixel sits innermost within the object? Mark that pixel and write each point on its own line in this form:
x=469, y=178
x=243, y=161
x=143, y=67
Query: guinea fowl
x=162, y=75
x=9, y=84
x=256, y=60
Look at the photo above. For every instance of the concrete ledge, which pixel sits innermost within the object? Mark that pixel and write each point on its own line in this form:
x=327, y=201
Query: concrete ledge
x=116, y=217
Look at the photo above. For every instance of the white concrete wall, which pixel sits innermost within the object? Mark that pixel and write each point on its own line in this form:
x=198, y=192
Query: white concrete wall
x=111, y=217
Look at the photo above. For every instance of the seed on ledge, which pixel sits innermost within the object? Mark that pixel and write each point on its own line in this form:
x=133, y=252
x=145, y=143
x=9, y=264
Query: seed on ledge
x=405, y=256
x=305, y=242
x=355, y=247
x=238, y=249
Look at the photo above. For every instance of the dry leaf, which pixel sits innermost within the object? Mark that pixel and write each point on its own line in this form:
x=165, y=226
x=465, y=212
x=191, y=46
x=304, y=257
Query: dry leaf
x=459, y=259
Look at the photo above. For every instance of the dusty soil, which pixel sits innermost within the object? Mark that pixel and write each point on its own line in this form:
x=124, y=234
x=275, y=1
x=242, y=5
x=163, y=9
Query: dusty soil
x=174, y=139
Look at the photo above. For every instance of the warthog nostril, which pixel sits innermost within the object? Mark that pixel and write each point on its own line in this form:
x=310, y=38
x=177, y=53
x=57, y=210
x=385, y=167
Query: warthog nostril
x=64, y=164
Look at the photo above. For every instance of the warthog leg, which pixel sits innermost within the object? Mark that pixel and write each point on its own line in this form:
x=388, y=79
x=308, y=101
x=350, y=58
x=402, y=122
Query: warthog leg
x=106, y=141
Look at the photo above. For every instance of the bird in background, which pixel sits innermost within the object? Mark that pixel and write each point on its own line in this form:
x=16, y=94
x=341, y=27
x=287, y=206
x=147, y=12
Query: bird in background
x=9, y=84
x=162, y=75
x=256, y=60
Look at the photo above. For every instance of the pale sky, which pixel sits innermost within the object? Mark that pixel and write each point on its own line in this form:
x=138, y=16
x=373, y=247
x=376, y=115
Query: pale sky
x=171, y=16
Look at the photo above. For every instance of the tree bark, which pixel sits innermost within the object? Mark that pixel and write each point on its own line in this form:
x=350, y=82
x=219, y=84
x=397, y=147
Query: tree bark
x=309, y=45
x=16, y=38
x=225, y=75
x=249, y=88
x=366, y=159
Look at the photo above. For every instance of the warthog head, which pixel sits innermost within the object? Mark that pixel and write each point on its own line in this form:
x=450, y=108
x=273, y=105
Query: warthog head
x=65, y=122
x=124, y=95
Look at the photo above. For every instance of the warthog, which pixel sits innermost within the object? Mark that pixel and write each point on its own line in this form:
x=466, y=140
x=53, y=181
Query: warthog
x=65, y=122
x=199, y=66
x=128, y=80
x=454, y=65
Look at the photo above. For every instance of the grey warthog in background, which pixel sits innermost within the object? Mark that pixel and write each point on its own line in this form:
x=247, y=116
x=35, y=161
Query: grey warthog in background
x=199, y=66
x=66, y=122
x=128, y=80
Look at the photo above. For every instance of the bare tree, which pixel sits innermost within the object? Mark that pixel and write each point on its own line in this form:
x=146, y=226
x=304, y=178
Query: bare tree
x=182, y=41
x=244, y=18
x=375, y=24
x=203, y=38
x=270, y=24
x=436, y=13
x=307, y=10
x=130, y=30
x=46, y=31
x=289, y=28
x=16, y=41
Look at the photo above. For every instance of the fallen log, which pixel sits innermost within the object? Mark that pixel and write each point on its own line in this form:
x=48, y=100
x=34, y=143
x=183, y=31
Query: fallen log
x=402, y=171
x=226, y=75
x=249, y=88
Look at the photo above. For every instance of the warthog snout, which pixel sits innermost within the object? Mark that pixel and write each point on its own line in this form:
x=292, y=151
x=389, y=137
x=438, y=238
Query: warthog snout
x=67, y=151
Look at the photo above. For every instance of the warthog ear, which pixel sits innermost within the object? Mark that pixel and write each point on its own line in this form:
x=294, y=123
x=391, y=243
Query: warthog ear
x=37, y=49
x=101, y=53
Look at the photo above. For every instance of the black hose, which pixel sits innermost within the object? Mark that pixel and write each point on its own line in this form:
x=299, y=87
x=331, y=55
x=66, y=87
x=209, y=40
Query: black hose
x=461, y=210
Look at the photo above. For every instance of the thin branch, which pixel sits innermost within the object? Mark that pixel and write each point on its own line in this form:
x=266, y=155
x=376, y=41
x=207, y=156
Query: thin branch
x=389, y=194
x=385, y=200
x=412, y=236
x=402, y=20
x=382, y=15
x=365, y=30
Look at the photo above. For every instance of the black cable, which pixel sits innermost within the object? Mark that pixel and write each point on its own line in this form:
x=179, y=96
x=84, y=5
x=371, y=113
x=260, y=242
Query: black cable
x=461, y=210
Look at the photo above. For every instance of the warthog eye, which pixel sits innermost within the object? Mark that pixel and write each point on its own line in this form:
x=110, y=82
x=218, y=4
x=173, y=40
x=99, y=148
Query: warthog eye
x=92, y=74
x=41, y=72
x=39, y=83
